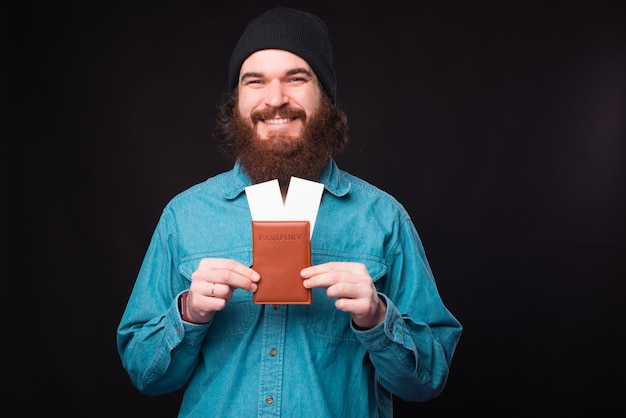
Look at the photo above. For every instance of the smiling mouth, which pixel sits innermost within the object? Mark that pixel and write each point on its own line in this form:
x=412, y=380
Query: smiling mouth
x=278, y=121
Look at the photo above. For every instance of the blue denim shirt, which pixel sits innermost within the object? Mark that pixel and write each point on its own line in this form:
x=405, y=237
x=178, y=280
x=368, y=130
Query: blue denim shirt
x=288, y=360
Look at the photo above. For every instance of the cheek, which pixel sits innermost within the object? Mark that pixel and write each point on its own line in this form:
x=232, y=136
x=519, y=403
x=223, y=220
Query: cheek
x=245, y=103
x=242, y=109
x=310, y=103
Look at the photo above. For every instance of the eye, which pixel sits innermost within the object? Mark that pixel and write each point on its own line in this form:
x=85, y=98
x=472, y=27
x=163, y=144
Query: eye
x=293, y=80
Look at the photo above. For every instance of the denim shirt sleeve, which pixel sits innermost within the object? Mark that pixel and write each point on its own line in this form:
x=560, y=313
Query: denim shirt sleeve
x=158, y=349
x=412, y=348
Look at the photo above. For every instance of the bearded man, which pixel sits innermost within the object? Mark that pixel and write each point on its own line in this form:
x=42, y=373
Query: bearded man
x=376, y=325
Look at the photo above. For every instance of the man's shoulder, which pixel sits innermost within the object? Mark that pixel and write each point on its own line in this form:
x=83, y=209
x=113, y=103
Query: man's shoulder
x=219, y=186
x=374, y=195
x=360, y=184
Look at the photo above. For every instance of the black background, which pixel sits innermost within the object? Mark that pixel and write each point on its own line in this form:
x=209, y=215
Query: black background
x=499, y=125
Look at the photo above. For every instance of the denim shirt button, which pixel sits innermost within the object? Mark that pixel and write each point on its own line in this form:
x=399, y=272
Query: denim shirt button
x=273, y=352
x=269, y=400
x=276, y=306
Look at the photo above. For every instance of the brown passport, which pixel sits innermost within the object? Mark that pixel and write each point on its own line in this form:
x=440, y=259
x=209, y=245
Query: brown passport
x=280, y=249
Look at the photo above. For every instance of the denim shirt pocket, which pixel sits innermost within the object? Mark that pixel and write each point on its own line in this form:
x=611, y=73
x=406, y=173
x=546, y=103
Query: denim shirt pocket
x=238, y=314
x=322, y=318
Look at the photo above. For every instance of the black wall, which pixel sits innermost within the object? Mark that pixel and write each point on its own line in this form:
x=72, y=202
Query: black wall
x=499, y=125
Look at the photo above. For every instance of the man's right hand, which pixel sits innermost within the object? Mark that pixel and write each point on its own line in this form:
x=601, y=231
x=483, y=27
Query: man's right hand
x=213, y=284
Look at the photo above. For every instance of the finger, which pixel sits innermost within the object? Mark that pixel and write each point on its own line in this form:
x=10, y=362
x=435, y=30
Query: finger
x=217, y=264
x=202, y=307
x=228, y=272
x=330, y=274
x=346, y=290
x=354, y=306
x=219, y=290
x=334, y=266
x=216, y=289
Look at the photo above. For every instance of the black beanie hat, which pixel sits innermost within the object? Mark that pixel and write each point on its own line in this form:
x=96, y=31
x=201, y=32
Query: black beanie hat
x=301, y=33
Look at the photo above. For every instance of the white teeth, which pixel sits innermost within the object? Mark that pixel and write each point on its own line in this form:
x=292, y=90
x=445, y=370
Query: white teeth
x=277, y=121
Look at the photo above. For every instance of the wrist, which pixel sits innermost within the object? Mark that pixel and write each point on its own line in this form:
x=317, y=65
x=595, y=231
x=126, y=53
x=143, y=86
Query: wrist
x=182, y=307
x=378, y=317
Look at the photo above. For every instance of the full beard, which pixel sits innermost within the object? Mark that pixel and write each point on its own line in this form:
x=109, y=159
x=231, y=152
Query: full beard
x=280, y=156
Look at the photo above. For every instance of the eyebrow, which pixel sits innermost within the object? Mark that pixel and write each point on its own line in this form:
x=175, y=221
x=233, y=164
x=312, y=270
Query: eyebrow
x=294, y=71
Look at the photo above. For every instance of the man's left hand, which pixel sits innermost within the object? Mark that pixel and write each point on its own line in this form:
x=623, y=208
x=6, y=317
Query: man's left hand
x=352, y=286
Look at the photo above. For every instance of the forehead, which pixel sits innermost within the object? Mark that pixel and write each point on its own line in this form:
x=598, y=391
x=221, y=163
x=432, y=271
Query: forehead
x=269, y=61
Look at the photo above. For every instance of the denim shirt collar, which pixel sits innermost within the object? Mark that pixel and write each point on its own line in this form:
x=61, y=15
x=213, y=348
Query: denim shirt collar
x=332, y=177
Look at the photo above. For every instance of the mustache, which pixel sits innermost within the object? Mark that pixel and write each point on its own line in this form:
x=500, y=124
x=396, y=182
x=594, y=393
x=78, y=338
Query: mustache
x=283, y=112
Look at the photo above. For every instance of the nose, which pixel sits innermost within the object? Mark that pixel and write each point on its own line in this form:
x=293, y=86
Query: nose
x=275, y=94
